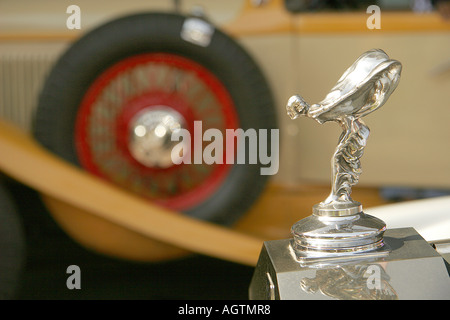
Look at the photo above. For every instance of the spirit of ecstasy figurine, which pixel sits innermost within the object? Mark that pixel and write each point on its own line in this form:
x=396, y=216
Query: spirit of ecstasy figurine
x=362, y=89
x=340, y=252
x=338, y=224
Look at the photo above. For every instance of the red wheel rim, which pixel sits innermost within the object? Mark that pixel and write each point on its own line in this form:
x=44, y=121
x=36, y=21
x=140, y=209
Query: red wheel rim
x=141, y=82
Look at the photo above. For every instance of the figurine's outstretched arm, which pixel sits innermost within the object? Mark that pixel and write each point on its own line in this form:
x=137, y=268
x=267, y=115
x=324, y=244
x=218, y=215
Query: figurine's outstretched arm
x=296, y=106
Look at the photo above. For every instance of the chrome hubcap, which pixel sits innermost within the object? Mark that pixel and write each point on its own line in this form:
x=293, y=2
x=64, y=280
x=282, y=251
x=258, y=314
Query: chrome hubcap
x=150, y=134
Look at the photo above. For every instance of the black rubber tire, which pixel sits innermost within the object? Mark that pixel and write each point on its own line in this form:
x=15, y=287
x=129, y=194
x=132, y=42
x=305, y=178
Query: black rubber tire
x=12, y=247
x=160, y=32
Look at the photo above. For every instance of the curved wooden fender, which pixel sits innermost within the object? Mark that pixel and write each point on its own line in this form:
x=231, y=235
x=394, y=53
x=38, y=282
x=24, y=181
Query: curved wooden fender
x=67, y=186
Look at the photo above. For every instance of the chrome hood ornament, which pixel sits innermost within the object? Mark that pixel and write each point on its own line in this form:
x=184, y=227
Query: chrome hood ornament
x=339, y=252
x=338, y=224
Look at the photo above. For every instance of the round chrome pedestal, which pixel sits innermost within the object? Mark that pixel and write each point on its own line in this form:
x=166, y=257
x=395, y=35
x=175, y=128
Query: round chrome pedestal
x=344, y=231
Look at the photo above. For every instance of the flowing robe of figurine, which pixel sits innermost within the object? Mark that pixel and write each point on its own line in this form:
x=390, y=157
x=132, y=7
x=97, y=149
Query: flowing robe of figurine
x=362, y=89
x=346, y=164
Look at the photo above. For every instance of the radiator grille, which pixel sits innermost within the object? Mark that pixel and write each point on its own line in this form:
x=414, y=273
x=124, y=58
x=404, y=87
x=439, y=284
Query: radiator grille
x=23, y=70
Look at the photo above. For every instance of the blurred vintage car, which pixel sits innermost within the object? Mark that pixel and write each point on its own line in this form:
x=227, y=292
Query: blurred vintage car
x=247, y=57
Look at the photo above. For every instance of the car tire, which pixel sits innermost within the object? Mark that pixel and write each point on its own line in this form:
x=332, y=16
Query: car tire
x=148, y=39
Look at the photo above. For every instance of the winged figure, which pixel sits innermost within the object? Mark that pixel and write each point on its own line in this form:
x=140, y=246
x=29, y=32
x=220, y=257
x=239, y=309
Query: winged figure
x=363, y=88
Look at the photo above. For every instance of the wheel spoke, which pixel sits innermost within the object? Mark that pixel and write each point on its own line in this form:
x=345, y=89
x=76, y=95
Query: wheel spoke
x=117, y=109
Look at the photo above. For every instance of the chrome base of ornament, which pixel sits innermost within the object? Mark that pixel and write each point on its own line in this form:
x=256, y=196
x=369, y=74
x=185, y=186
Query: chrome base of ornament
x=412, y=269
x=329, y=233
